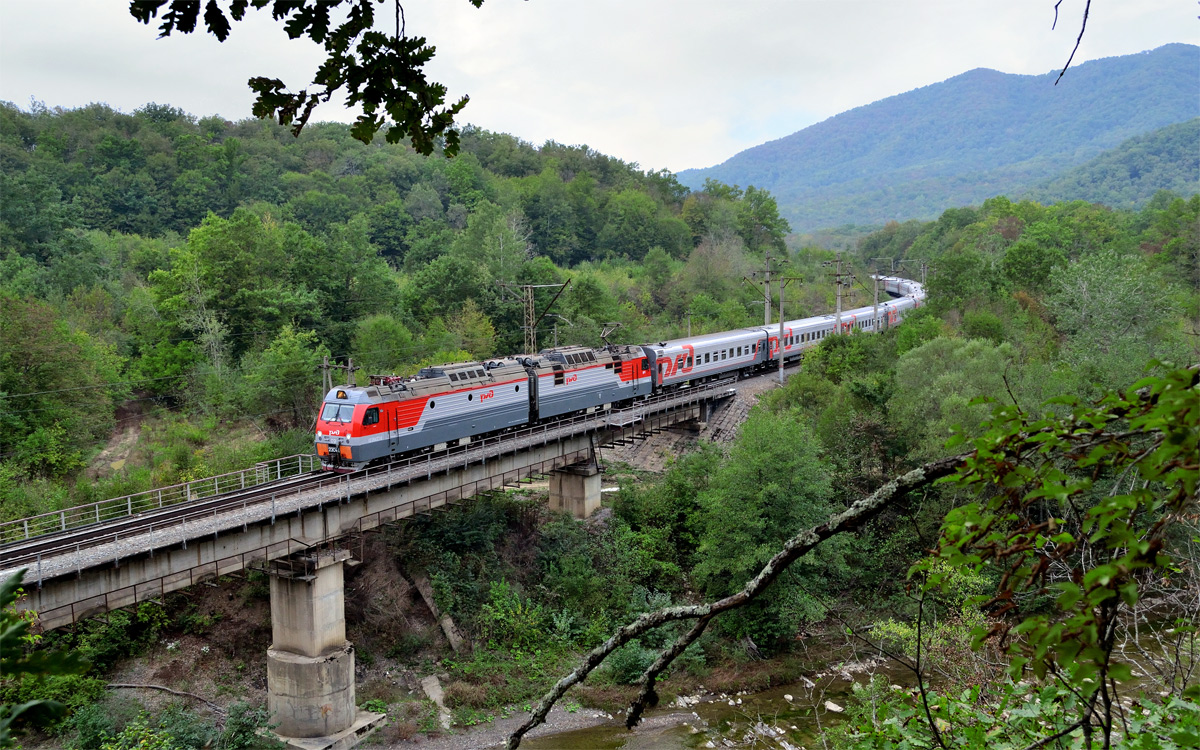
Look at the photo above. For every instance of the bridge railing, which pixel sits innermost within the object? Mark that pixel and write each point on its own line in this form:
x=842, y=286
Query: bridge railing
x=115, y=508
x=429, y=463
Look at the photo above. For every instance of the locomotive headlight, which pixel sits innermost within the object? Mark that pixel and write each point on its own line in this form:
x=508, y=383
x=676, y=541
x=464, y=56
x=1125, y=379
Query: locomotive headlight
x=319, y=433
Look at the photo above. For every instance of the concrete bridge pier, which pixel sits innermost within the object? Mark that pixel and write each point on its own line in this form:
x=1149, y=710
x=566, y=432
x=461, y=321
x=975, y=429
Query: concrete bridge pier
x=576, y=489
x=310, y=664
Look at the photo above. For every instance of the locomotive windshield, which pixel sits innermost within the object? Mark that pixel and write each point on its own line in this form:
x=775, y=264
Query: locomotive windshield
x=337, y=412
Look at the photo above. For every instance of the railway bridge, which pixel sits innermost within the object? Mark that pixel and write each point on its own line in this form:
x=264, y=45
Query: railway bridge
x=298, y=525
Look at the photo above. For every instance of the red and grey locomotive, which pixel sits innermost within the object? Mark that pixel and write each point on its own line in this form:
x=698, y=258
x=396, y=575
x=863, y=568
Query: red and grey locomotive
x=454, y=403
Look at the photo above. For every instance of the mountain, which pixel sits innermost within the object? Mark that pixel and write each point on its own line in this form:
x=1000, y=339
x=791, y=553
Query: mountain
x=958, y=142
x=1130, y=174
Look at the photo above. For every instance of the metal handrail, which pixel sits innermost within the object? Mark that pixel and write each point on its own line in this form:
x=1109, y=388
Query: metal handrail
x=115, y=508
x=469, y=453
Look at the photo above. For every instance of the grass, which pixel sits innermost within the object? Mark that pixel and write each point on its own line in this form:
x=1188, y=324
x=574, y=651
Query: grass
x=170, y=448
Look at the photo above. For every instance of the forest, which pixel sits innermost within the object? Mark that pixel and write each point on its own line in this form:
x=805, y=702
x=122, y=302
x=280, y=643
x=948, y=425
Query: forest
x=171, y=285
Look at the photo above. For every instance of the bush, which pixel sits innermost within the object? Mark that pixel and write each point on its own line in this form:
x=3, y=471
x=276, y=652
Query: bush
x=512, y=621
x=409, y=645
x=627, y=663
x=187, y=729
x=74, y=691
x=460, y=693
x=139, y=735
x=93, y=722
x=981, y=324
x=242, y=729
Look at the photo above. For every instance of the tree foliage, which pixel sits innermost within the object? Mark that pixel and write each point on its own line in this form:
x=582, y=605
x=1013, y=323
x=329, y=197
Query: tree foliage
x=1035, y=515
x=18, y=660
x=383, y=74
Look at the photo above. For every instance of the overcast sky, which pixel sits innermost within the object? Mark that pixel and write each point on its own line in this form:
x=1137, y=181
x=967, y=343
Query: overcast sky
x=664, y=84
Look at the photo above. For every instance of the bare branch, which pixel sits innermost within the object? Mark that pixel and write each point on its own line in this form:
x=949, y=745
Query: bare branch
x=796, y=547
x=933, y=727
x=1082, y=27
x=180, y=693
x=647, y=697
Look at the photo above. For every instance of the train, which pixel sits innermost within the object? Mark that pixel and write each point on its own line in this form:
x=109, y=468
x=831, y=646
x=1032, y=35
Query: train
x=455, y=403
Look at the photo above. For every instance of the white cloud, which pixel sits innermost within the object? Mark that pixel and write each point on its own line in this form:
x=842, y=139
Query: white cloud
x=663, y=84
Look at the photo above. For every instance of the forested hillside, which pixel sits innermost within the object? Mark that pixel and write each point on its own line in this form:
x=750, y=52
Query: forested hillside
x=170, y=286
x=976, y=135
x=1130, y=174
x=155, y=259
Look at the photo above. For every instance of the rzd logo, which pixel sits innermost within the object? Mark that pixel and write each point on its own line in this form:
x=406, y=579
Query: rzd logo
x=571, y=378
x=486, y=395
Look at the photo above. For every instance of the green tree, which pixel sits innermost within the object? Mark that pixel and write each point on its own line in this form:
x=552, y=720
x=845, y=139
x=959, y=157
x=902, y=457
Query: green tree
x=630, y=225
x=1110, y=306
x=473, y=331
x=773, y=484
x=282, y=382
x=53, y=379
x=344, y=274
x=759, y=223
x=937, y=384
x=381, y=344
x=229, y=284
x=1027, y=262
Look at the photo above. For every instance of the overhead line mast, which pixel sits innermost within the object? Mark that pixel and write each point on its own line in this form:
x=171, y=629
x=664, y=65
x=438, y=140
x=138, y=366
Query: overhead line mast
x=531, y=316
x=766, y=290
x=842, y=279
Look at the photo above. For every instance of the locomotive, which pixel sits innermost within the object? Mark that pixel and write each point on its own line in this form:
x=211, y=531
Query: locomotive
x=452, y=404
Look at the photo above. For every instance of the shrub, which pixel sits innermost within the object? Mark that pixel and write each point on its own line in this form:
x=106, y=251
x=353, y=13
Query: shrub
x=627, y=663
x=460, y=693
x=93, y=722
x=242, y=729
x=139, y=735
x=187, y=729
x=513, y=621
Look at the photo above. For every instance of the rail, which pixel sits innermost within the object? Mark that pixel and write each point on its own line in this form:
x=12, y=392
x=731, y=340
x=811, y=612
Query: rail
x=289, y=500
x=104, y=511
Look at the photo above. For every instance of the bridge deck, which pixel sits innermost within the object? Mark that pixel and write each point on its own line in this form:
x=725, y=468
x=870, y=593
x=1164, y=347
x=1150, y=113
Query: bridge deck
x=122, y=553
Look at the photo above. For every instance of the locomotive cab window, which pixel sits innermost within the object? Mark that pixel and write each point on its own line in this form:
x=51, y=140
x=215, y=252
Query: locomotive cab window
x=337, y=412
x=371, y=416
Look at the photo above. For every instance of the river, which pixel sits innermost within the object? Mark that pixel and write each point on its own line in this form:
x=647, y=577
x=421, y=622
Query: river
x=793, y=714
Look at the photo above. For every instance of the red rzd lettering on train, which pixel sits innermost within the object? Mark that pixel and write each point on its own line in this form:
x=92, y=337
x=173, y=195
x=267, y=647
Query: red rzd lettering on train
x=486, y=395
x=571, y=378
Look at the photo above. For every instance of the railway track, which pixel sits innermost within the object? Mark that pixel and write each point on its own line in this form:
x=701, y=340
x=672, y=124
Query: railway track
x=36, y=550
x=17, y=554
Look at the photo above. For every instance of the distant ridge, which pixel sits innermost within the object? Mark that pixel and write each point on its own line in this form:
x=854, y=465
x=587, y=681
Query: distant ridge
x=1130, y=174
x=979, y=134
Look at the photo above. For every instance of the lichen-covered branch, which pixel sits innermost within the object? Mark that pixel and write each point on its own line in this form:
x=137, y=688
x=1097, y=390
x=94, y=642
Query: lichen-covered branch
x=647, y=697
x=795, y=548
